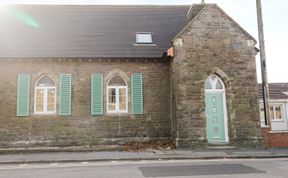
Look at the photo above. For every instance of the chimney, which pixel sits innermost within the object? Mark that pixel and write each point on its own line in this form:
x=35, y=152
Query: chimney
x=194, y=10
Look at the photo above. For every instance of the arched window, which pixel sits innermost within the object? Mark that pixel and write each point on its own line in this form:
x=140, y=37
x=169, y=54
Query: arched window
x=214, y=83
x=45, y=96
x=117, y=95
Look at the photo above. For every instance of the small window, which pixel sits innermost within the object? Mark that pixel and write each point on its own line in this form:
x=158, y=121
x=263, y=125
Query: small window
x=262, y=116
x=117, y=96
x=144, y=38
x=45, y=96
x=214, y=83
x=276, y=112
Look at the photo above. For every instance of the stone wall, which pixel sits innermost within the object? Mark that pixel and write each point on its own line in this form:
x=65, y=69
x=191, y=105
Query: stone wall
x=81, y=128
x=214, y=44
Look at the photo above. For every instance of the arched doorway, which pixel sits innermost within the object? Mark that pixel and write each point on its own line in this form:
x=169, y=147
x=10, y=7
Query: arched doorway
x=216, y=112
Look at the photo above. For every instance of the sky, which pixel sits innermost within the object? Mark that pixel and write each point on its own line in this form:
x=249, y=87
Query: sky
x=275, y=15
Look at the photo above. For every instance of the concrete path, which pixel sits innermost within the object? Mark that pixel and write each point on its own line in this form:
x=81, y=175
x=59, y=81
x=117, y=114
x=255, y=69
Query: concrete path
x=147, y=155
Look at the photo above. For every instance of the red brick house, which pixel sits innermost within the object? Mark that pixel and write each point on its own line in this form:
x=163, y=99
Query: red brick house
x=277, y=135
x=98, y=75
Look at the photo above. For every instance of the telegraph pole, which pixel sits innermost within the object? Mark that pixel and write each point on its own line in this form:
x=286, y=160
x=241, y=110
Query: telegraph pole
x=265, y=88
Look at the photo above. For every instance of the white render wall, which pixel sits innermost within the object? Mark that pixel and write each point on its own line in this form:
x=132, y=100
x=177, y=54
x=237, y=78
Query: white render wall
x=278, y=125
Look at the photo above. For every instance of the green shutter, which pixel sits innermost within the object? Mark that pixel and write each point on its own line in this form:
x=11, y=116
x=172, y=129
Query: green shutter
x=137, y=93
x=65, y=95
x=23, y=95
x=96, y=94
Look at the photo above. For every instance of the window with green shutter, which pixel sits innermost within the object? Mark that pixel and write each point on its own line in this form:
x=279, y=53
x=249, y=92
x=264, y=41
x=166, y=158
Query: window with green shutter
x=23, y=95
x=65, y=95
x=137, y=93
x=97, y=94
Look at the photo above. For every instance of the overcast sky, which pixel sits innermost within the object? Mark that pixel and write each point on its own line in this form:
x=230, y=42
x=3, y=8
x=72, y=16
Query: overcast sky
x=243, y=11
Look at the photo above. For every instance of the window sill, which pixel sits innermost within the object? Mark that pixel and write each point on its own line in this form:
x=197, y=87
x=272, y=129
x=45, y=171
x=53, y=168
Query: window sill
x=144, y=44
x=44, y=114
x=277, y=120
x=278, y=131
x=274, y=121
x=265, y=127
x=118, y=114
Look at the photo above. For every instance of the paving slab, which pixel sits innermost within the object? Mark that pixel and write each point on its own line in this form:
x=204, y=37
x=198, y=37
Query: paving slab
x=51, y=157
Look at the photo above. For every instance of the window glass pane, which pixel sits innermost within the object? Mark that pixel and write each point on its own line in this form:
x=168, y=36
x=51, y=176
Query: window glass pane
x=45, y=81
x=144, y=38
x=262, y=115
x=50, y=108
x=39, y=100
x=208, y=85
x=271, y=112
x=51, y=100
x=122, y=99
x=278, y=112
x=219, y=85
x=112, y=99
x=117, y=81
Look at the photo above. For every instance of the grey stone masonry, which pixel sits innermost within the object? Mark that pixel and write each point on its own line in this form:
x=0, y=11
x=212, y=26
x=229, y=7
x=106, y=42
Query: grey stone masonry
x=81, y=128
x=212, y=43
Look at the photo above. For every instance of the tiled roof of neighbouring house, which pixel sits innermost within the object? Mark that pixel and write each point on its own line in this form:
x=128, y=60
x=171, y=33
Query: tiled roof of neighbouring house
x=276, y=90
x=89, y=31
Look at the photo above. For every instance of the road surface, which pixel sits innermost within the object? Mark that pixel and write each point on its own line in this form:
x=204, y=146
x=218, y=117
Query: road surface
x=245, y=168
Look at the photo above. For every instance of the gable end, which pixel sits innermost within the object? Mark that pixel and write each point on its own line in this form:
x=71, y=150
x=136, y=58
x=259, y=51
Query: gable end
x=223, y=12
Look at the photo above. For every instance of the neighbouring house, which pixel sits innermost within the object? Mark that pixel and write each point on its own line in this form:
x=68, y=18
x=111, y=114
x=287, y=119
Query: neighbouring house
x=277, y=136
x=102, y=75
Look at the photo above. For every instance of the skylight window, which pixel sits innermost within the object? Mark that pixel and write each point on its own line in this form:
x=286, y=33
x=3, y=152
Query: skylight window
x=144, y=38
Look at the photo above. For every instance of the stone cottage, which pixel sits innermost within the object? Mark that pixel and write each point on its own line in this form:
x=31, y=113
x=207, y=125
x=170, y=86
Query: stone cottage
x=98, y=75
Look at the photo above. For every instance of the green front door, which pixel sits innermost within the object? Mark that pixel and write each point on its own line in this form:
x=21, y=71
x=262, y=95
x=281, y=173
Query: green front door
x=215, y=118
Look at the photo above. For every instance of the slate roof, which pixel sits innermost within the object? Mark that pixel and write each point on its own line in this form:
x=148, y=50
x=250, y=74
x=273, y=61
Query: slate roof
x=276, y=90
x=90, y=31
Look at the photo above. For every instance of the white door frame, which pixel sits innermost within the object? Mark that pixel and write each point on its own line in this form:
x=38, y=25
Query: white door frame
x=223, y=92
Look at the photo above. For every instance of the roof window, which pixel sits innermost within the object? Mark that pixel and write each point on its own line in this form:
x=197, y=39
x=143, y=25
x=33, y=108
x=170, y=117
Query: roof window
x=144, y=38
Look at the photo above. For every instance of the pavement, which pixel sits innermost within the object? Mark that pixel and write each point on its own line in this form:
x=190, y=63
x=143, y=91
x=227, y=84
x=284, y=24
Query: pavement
x=178, y=154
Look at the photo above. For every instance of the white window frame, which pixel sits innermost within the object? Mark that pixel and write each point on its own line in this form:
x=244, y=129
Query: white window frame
x=117, y=110
x=45, y=104
x=144, y=33
x=274, y=119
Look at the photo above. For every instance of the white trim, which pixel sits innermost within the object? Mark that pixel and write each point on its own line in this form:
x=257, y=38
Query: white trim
x=144, y=33
x=223, y=92
x=274, y=100
x=278, y=131
x=45, y=105
x=273, y=104
x=144, y=44
x=117, y=110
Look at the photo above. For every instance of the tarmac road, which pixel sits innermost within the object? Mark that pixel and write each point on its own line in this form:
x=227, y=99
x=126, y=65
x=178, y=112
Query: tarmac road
x=220, y=168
